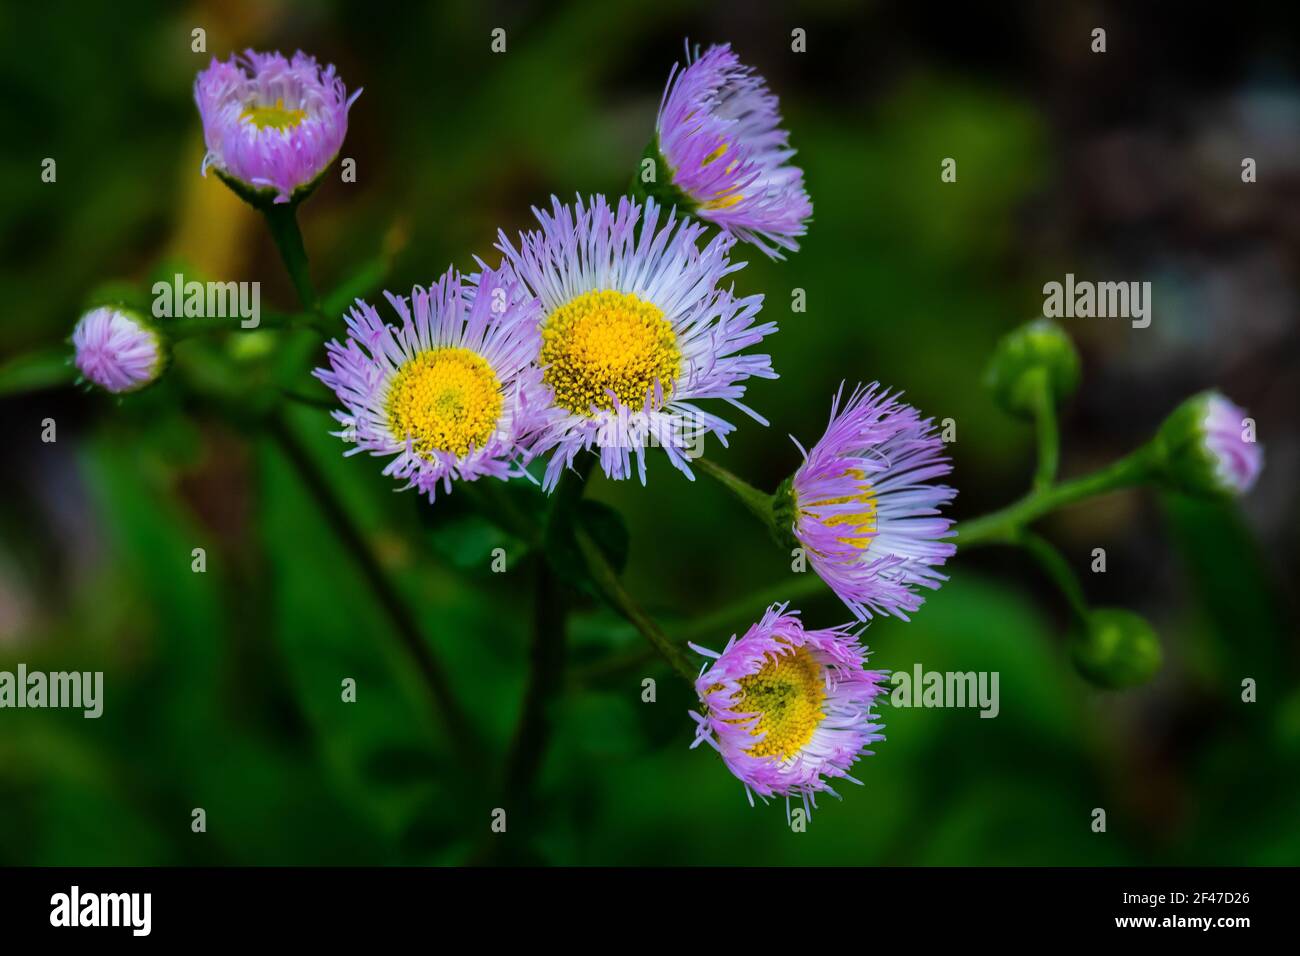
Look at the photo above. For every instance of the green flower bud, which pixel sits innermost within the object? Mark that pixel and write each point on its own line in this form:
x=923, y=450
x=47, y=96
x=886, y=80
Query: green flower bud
x=1207, y=447
x=1116, y=649
x=1038, y=353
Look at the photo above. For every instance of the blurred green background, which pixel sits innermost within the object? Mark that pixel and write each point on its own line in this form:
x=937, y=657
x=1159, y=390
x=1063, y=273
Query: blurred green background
x=222, y=689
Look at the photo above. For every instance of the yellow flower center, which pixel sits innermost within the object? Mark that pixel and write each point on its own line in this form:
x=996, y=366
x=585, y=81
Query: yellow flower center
x=445, y=399
x=603, y=342
x=275, y=117
x=861, y=524
x=716, y=154
x=787, y=693
x=727, y=197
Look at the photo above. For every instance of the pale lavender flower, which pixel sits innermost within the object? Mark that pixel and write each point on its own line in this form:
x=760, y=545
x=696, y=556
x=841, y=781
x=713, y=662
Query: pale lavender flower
x=788, y=709
x=719, y=131
x=864, y=507
x=271, y=125
x=635, y=330
x=449, y=394
x=118, y=349
x=1207, y=446
x=1237, y=462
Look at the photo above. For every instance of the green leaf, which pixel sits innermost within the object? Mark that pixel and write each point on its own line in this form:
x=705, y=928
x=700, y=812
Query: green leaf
x=468, y=541
x=47, y=368
x=369, y=276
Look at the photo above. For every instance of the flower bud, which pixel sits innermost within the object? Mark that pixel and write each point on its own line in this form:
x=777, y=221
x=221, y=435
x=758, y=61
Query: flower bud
x=272, y=124
x=1038, y=352
x=1116, y=649
x=118, y=349
x=1207, y=447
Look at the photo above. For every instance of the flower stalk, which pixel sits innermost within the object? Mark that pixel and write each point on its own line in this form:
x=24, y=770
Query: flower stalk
x=282, y=220
x=1049, y=439
x=606, y=579
x=1002, y=526
x=758, y=503
x=447, y=707
x=1057, y=568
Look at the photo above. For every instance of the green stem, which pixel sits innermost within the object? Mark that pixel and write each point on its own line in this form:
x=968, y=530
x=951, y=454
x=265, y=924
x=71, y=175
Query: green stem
x=572, y=486
x=1049, y=439
x=1001, y=526
x=546, y=656
x=758, y=502
x=606, y=579
x=310, y=401
x=446, y=706
x=282, y=219
x=178, y=329
x=603, y=575
x=712, y=628
x=1057, y=568
x=1006, y=526
x=546, y=668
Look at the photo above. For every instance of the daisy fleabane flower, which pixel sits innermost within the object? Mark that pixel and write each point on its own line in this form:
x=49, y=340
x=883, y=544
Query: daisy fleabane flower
x=789, y=710
x=272, y=125
x=1208, y=446
x=719, y=131
x=1237, y=462
x=635, y=330
x=864, y=506
x=117, y=349
x=449, y=394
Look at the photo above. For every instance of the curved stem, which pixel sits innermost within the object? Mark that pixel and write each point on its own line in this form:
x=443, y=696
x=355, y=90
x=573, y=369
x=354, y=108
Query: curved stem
x=1002, y=525
x=1058, y=569
x=714, y=627
x=606, y=579
x=1005, y=526
x=1049, y=439
x=759, y=502
x=446, y=706
x=602, y=573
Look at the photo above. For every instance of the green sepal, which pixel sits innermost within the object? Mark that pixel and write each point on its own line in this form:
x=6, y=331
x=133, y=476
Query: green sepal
x=1183, y=460
x=263, y=197
x=662, y=189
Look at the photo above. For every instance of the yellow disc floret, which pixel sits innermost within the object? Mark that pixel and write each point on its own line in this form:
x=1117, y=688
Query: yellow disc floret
x=715, y=155
x=723, y=200
x=860, y=524
x=607, y=341
x=787, y=693
x=727, y=197
x=444, y=399
x=274, y=117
